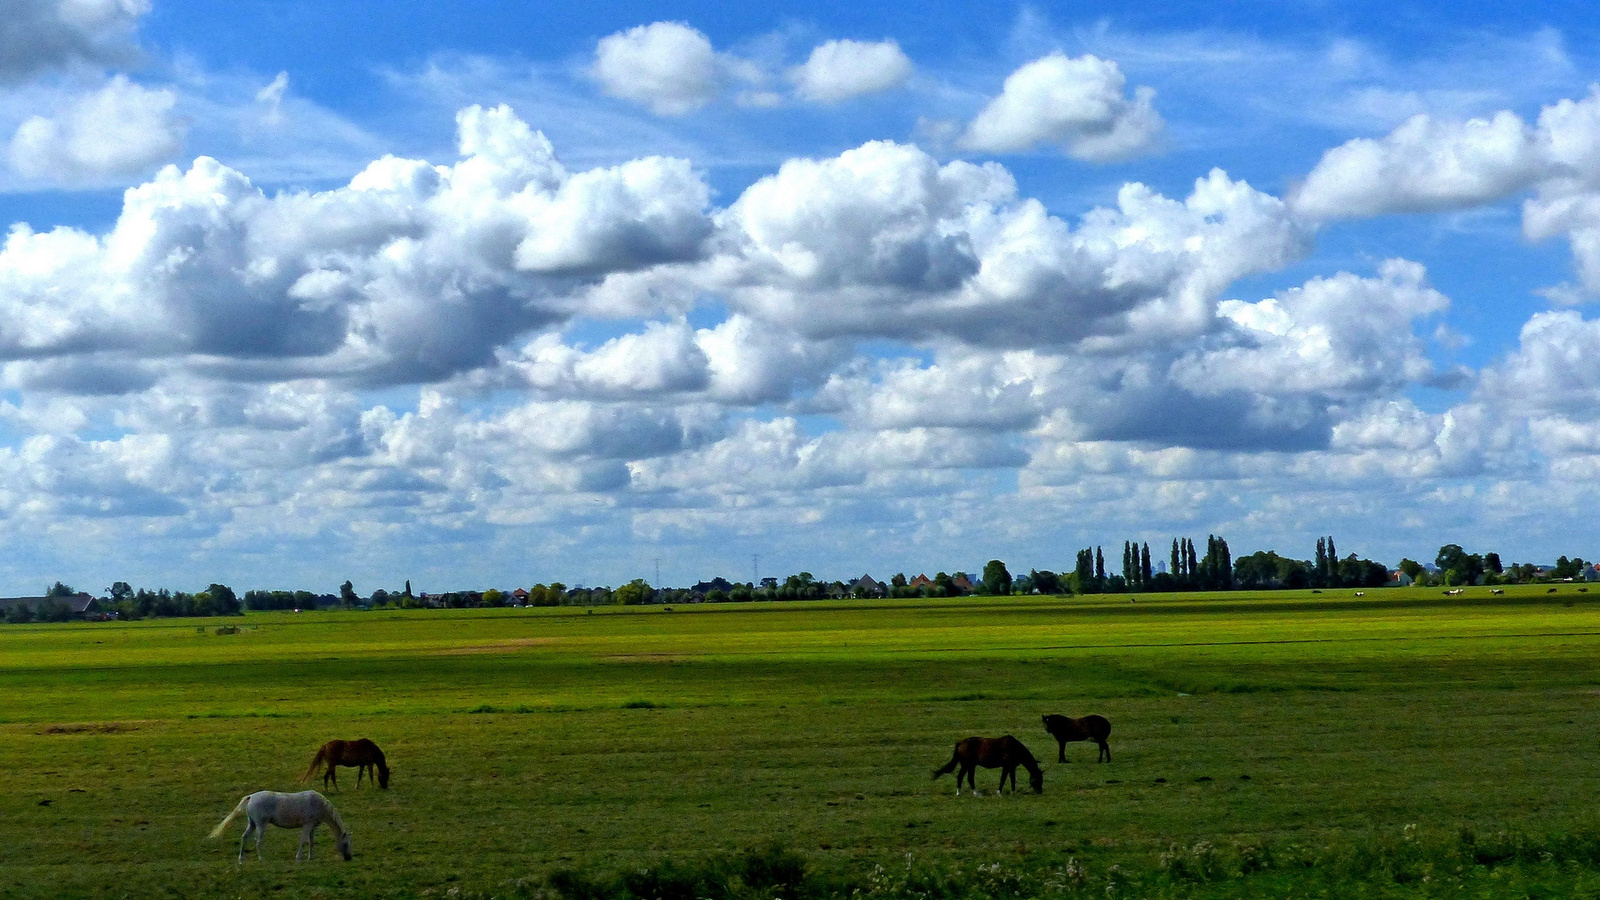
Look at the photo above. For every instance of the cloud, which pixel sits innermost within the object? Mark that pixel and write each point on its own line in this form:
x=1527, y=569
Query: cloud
x=411, y=273
x=667, y=66
x=883, y=241
x=1339, y=336
x=120, y=130
x=842, y=69
x=1076, y=104
x=40, y=35
x=1425, y=165
x=1554, y=370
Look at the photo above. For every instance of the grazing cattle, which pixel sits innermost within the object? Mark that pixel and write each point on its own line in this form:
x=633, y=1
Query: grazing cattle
x=1004, y=753
x=1066, y=730
x=305, y=811
x=1497, y=591
x=1551, y=591
x=1361, y=593
x=362, y=755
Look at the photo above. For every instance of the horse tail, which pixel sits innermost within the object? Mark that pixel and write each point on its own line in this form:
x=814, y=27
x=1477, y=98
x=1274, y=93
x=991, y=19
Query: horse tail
x=955, y=760
x=316, y=763
x=237, y=811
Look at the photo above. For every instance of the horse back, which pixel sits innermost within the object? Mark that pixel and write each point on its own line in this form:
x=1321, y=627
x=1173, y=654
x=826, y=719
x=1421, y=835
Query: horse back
x=1098, y=727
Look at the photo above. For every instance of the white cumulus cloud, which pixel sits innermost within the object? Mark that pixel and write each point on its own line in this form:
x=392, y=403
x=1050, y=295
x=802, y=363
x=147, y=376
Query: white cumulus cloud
x=841, y=69
x=1076, y=104
x=667, y=66
x=39, y=35
x=122, y=129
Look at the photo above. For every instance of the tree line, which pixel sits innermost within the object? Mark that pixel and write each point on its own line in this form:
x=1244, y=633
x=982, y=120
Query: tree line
x=1186, y=569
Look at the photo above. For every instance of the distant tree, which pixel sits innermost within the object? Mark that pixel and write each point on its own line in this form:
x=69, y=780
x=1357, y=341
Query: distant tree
x=1175, y=566
x=347, y=594
x=60, y=590
x=1128, y=565
x=1491, y=561
x=53, y=610
x=1145, y=575
x=223, y=600
x=944, y=585
x=119, y=591
x=1045, y=581
x=633, y=593
x=1458, y=566
x=1099, y=569
x=1083, y=574
x=491, y=597
x=408, y=587
x=996, y=580
x=19, y=614
x=741, y=593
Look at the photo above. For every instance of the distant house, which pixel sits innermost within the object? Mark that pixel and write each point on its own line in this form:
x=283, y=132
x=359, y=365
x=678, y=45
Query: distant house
x=716, y=584
x=961, y=583
x=1398, y=578
x=519, y=597
x=1591, y=573
x=867, y=586
x=921, y=581
x=83, y=605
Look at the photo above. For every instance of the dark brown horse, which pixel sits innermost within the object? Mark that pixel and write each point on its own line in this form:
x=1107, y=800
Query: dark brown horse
x=1066, y=729
x=363, y=755
x=1004, y=753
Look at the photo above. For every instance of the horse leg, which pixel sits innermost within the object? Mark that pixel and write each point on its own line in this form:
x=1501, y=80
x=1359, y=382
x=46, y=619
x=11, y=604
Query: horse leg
x=1061, y=750
x=1105, y=749
x=360, y=771
x=249, y=826
x=305, y=842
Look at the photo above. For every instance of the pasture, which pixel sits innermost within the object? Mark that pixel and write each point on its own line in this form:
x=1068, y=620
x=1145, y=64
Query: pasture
x=1263, y=744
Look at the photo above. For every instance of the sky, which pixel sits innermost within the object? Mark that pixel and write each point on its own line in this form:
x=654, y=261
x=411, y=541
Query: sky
x=486, y=295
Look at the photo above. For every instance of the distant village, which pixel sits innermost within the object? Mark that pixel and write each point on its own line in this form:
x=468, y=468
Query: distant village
x=1184, y=569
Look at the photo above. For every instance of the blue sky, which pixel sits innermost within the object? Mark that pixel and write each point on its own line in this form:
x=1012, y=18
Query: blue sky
x=489, y=294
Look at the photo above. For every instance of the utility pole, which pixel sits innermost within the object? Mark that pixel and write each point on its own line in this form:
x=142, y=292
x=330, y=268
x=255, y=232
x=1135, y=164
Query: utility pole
x=755, y=570
x=657, y=561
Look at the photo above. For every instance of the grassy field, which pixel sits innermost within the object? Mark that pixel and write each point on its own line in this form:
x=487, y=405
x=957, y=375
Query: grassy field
x=1406, y=743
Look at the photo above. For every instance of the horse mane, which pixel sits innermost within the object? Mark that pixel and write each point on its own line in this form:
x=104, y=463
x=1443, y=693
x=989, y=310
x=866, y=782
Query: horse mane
x=333, y=816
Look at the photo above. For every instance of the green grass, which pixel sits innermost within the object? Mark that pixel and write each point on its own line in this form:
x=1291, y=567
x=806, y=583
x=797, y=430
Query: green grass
x=532, y=742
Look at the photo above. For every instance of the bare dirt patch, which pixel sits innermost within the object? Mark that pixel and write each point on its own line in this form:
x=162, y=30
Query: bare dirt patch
x=507, y=646
x=90, y=728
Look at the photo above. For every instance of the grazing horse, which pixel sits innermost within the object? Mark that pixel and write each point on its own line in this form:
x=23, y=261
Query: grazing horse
x=1066, y=729
x=362, y=755
x=1004, y=753
x=305, y=811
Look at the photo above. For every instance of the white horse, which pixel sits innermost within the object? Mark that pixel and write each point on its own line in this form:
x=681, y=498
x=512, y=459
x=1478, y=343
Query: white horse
x=305, y=811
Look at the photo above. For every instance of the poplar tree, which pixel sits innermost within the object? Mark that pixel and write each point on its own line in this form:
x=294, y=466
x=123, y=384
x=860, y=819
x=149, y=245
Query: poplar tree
x=1145, y=577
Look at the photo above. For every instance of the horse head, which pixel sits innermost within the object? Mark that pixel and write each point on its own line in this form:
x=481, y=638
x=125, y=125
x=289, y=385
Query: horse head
x=383, y=776
x=344, y=846
x=1036, y=780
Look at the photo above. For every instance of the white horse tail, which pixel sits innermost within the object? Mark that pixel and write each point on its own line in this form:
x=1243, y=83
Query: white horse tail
x=237, y=812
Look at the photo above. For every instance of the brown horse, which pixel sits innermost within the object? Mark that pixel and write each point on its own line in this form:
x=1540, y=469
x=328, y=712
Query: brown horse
x=1004, y=753
x=1066, y=729
x=363, y=755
